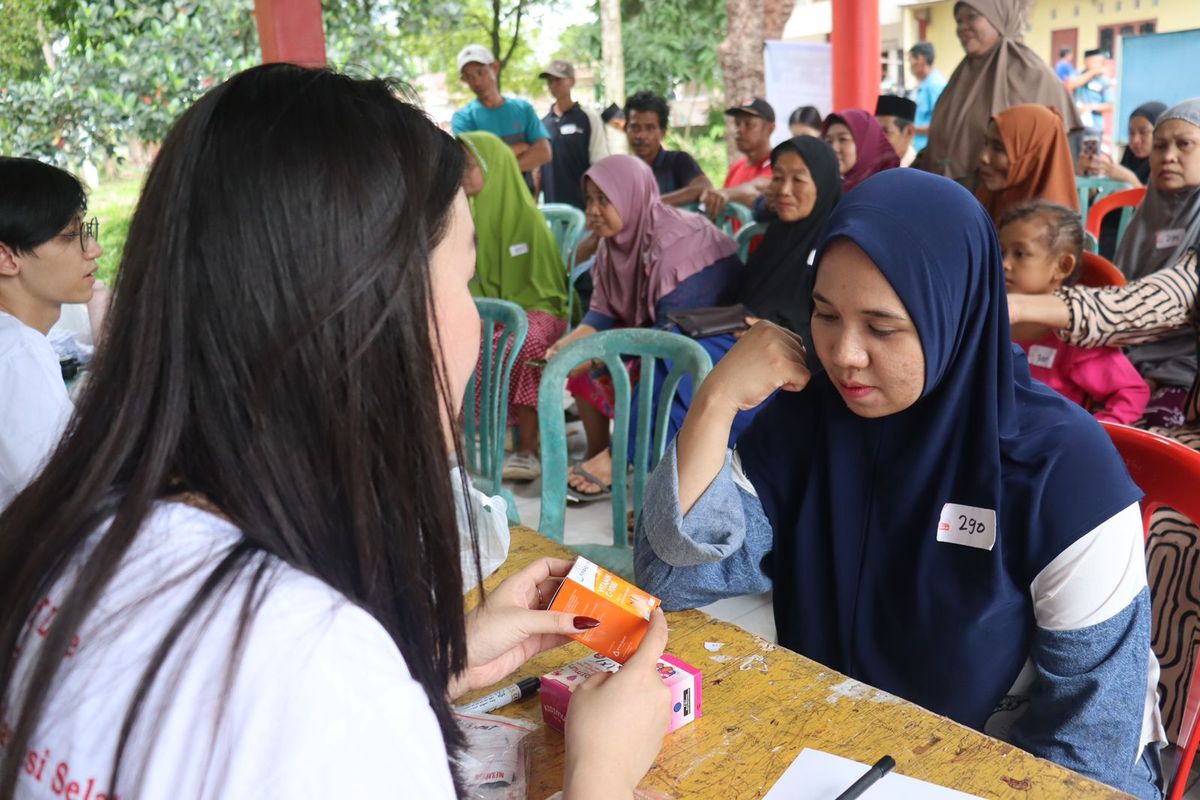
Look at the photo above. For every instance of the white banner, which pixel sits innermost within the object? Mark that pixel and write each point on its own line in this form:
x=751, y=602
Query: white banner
x=798, y=74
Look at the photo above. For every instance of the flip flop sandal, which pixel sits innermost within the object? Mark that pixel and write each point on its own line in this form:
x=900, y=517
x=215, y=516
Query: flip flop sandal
x=576, y=496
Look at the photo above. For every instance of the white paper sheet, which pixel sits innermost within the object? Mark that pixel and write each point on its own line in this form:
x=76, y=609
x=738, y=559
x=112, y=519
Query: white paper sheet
x=816, y=775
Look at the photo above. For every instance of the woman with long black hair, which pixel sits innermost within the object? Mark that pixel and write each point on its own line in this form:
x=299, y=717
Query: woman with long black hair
x=236, y=576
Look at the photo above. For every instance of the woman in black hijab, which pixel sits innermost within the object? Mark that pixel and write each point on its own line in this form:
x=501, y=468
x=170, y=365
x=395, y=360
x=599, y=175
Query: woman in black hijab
x=1134, y=167
x=805, y=187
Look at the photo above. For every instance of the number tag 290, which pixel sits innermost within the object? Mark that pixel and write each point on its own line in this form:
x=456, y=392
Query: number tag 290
x=967, y=525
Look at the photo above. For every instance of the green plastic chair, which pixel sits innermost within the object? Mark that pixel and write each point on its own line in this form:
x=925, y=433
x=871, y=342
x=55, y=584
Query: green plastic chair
x=686, y=357
x=485, y=458
x=734, y=216
x=569, y=226
x=1092, y=189
x=746, y=236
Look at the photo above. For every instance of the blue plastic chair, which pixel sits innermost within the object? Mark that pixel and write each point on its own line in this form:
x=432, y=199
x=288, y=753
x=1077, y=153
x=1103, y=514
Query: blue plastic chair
x=569, y=226
x=745, y=237
x=686, y=357
x=734, y=216
x=485, y=459
x=1092, y=189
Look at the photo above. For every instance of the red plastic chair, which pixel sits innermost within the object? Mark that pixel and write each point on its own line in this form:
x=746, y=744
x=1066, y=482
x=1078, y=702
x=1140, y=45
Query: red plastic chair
x=1129, y=198
x=1096, y=271
x=1169, y=473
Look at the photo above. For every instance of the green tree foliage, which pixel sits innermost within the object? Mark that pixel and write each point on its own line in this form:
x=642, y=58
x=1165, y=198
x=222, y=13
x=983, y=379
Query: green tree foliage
x=371, y=37
x=503, y=26
x=21, y=54
x=667, y=42
x=124, y=70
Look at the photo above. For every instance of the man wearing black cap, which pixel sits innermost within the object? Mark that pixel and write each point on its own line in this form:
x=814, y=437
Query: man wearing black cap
x=895, y=115
x=1094, y=97
x=751, y=174
x=577, y=138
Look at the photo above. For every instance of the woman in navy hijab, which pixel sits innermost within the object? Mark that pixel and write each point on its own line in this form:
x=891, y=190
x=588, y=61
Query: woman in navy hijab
x=932, y=521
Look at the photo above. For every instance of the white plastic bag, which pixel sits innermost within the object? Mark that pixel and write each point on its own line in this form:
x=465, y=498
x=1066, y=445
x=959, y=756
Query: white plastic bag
x=491, y=523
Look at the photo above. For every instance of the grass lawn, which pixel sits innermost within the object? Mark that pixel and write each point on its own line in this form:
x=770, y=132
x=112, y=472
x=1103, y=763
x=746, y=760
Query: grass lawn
x=112, y=204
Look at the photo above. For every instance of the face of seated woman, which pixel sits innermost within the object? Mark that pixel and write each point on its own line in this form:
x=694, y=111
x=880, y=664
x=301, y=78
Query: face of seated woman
x=863, y=334
x=1141, y=136
x=844, y=147
x=602, y=217
x=473, y=180
x=993, y=160
x=792, y=191
x=1175, y=157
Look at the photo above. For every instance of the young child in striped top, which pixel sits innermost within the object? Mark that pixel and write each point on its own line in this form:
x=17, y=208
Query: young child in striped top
x=1043, y=248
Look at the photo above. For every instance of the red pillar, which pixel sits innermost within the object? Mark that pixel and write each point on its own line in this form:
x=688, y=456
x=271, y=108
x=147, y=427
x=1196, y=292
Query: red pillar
x=856, y=48
x=291, y=30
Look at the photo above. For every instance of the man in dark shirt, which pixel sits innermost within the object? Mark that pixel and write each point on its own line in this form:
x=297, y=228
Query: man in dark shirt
x=577, y=138
x=680, y=179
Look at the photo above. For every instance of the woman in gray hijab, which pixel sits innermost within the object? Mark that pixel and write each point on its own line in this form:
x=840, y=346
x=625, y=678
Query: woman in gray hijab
x=1156, y=315
x=1163, y=228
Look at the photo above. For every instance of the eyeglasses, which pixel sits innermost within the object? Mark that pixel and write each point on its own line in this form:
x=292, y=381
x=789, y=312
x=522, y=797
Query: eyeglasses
x=89, y=231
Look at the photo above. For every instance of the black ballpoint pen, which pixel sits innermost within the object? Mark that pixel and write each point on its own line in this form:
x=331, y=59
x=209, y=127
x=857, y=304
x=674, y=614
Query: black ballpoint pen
x=882, y=767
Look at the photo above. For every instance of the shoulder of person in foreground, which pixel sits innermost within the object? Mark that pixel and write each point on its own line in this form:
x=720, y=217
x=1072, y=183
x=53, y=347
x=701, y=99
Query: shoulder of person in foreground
x=323, y=703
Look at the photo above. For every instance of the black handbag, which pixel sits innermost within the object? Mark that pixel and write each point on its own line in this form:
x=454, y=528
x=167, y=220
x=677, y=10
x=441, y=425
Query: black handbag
x=711, y=321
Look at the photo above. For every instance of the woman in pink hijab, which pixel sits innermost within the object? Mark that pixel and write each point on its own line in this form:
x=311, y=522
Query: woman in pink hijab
x=653, y=260
x=861, y=146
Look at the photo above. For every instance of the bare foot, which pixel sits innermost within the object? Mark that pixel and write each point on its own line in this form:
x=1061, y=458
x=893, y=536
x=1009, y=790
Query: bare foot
x=600, y=466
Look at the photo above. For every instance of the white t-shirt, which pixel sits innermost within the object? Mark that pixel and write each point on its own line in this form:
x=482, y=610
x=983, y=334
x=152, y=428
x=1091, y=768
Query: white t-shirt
x=34, y=407
x=321, y=705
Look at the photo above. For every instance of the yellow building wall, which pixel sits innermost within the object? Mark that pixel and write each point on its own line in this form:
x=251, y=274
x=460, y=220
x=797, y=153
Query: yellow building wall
x=1086, y=16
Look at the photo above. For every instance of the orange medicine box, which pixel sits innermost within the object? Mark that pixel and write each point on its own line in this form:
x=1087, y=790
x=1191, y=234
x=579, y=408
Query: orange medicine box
x=622, y=608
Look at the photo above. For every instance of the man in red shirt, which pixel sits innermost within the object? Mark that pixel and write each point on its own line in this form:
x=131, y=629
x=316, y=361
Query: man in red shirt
x=750, y=174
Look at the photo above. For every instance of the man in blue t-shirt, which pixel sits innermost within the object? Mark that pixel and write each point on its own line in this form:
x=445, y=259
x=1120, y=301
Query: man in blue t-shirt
x=510, y=118
x=1064, y=68
x=930, y=84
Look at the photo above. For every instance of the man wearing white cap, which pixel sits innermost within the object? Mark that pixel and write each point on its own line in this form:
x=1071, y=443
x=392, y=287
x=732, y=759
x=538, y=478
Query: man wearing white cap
x=510, y=118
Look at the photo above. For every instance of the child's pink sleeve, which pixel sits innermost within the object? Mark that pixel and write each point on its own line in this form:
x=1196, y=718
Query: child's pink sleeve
x=1109, y=379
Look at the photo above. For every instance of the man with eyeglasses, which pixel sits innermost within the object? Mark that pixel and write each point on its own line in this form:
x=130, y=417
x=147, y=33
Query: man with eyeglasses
x=48, y=253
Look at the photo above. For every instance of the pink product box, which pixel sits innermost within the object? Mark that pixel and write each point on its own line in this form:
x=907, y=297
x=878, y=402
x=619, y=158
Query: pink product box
x=681, y=678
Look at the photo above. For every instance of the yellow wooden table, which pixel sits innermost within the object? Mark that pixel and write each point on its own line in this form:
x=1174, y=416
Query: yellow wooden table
x=763, y=704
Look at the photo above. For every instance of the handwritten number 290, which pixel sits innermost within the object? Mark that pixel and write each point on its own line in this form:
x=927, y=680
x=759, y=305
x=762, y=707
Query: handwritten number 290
x=970, y=525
